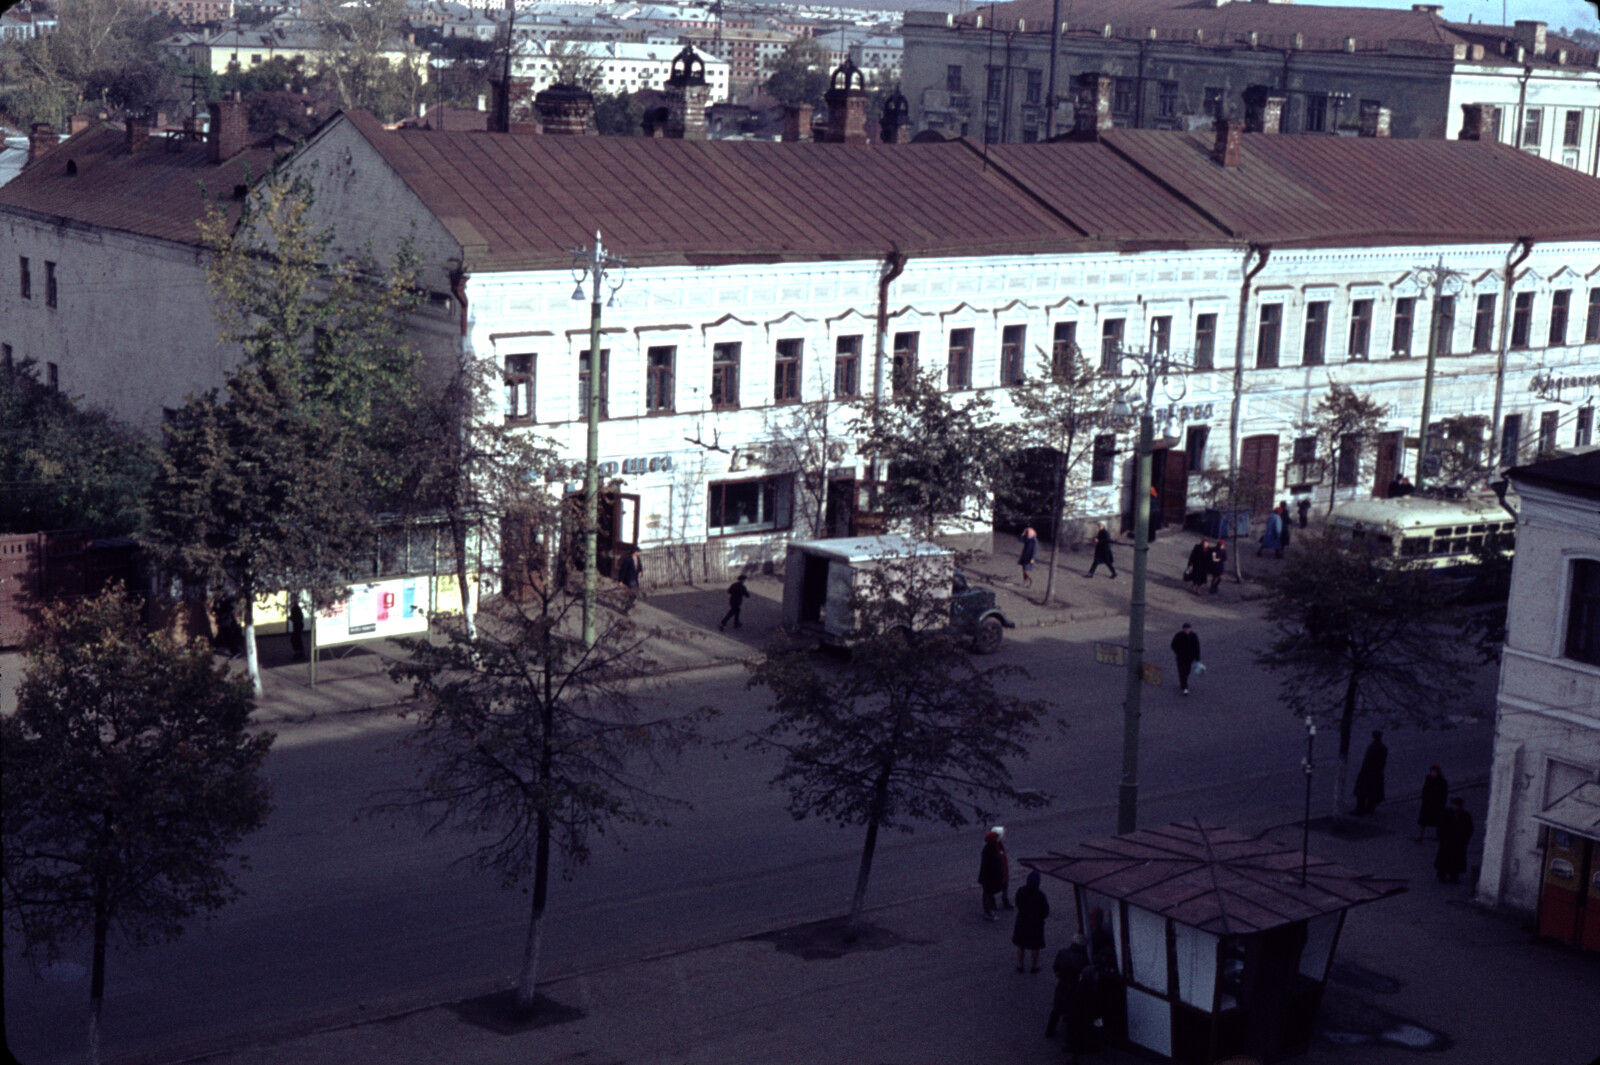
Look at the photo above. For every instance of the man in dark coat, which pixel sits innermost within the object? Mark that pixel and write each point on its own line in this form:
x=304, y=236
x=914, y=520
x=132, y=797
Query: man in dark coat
x=737, y=594
x=1028, y=931
x=1218, y=563
x=1068, y=966
x=1102, y=553
x=1199, y=567
x=1030, y=551
x=1455, y=830
x=1435, y=790
x=1369, y=778
x=991, y=873
x=1186, y=645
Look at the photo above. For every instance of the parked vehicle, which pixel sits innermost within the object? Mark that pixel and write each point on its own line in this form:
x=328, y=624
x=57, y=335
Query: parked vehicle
x=1443, y=535
x=823, y=580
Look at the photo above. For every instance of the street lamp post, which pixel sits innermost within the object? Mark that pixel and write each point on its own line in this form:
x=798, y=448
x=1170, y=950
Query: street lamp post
x=1438, y=278
x=1305, y=822
x=1152, y=367
x=595, y=265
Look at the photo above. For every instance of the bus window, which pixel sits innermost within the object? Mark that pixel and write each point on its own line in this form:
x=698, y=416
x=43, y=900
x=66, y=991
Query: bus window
x=1414, y=546
x=1383, y=543
x=1458, y=545
x=1442, y=532
x=1475, y=542
x=1480, y=528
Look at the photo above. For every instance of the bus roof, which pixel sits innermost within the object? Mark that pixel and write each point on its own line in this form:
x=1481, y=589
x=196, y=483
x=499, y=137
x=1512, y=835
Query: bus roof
x=1412, y=512
x=865, y=548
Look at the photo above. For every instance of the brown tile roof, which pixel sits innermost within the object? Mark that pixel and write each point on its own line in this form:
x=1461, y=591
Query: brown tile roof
x=1213, y=878
x=154, y=192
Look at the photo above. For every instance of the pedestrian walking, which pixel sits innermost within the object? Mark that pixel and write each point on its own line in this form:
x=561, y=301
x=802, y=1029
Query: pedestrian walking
x=737, y=594
x=1303, y=505
x=629, y=570
x=297, y=628
x=1455, y=829
x=1068, y=966
x=1217, y=563
x=1030, y=551
x=1283, y=508
x=1435, y=789
x=1199, y=567
x=991, y=872
x=1102, y=553
x=1272, y=538
x=1028, y=931
x=1005, y=866
x=1369, y=778
x=1186, y=645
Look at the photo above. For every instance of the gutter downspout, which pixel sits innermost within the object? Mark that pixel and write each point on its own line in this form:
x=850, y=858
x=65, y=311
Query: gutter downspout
x=469, y=588
x=1526, y=244
x=893, y=264
x=1262, y=252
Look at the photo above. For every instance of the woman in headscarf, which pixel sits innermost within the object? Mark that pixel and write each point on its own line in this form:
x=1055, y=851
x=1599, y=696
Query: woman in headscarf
x=1032, y=909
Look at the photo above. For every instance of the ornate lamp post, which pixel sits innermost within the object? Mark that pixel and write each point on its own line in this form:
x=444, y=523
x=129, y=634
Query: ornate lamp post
x=602, y=271
x=1444, y=282
x=1150, y=370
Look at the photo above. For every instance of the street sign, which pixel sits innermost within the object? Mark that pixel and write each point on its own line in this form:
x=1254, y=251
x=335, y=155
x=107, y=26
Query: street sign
x=1110, y=654
x=1150, y=674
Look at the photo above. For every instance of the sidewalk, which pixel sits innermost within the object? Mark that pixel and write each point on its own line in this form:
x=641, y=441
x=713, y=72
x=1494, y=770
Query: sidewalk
x=1422, y=972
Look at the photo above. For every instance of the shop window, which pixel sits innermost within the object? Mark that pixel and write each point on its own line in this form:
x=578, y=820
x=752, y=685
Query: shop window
x=658, y=379
x=905, y=362
x=1205, y=341
x=519, y=388
x=1103, y=461
x=1064, y=351
x=1522, y=320
x=1483, y=324
x=1360, y=328
x=958, y=370
x=1583, y=612
x=583, y=383
x=1013, y=347
x=737, y=507
x=1267, y=333
x=847, y=367
x=1111, y=345
x=1560, y=305
x=1314, y=348
x=724, y=376
x=1405, y=317
x=786, y=371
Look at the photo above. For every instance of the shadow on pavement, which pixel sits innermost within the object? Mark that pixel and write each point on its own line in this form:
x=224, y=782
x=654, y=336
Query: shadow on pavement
x=498, y=1013
x=831, y=939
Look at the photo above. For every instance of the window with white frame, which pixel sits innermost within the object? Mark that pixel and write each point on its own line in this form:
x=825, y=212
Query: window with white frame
x=724, y=376
x=519, y=384
x=746, y=506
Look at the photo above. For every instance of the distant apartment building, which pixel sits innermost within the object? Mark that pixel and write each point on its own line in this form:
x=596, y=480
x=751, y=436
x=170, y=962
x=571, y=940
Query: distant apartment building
x=189, y=12
x=1174, y=64
x=252, y=47
x=20, y=25
x=748, y=52
x=617, y=66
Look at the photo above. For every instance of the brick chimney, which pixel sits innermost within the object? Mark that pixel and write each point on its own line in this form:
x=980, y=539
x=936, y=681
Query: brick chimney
x=847, y=105
x=77, y=123
x=1263, y=110
x=229, y=133
x=136, y=133
x=895, y=126
x=687, y=92
x=566, y=111
x=1091, y=111
x=1531, y=35
x=1375, y=121
x=796, y=122
x=1477, y=122
x=1230, y=141
x=42, y=141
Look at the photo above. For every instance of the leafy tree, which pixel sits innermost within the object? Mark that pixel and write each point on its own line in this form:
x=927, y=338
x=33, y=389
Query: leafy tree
x=1460, y=442
x=62, y=467
x=618, y=114
x=128, y=781
x=1343, y=420
x=800, y=74
x=268, y=487
x=356, y=71
x=945, y=453
x=275, y=75
x=1065, y=406
x=908, y=729
x=530, y=741
x=576, y=61
x=1359, y=637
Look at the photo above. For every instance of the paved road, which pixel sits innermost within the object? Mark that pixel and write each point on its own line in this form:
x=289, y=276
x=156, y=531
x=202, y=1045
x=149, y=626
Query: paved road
x=347, y=916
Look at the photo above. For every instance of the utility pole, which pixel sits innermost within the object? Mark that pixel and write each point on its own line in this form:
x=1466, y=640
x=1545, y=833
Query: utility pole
x=593, y=264
x=1526, y=244
x=1439, y=279
x=1055, y=53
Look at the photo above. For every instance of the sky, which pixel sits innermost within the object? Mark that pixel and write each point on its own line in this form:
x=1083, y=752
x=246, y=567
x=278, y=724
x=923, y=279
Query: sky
x=1571, y=14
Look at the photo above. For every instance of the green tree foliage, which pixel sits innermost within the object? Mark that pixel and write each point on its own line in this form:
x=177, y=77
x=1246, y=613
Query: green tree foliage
x=98, y=45
x=531, y=741
x=909, y=729
x=267, y=486
x=800, y=74
x=945, y=454
x=62, y=467
x=618, y=114
x=1461, y=442
x=128, y=781
x=354, y=66
x=1344, y=424
x=1356, y=637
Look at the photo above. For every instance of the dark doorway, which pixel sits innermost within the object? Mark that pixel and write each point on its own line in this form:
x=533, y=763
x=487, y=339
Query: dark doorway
x=840, y=517
x=814, y=589
x=617, y=530
x=1031, y=499
x=1169, y=474
x=1388, y=462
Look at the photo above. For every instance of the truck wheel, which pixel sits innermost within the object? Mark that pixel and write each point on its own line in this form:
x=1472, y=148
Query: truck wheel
x=987, y=639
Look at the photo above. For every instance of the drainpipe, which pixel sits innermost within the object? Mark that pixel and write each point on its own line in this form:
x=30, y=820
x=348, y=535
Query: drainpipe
x=1526, y=244
x=1055, y=51
x=893, y=264
x=1261, y=253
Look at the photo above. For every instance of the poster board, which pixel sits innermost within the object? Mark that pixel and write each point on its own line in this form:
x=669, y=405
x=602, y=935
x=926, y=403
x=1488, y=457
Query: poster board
x=376, y=610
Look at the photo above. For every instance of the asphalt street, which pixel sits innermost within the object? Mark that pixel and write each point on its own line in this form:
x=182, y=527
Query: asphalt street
x=347, y=915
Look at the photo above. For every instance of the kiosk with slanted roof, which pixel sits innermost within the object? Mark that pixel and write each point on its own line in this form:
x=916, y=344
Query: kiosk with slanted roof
x=1222, y=943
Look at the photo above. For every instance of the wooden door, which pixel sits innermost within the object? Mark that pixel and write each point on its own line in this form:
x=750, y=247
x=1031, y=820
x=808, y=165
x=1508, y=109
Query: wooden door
x=1175, y=488
x=1258, y=469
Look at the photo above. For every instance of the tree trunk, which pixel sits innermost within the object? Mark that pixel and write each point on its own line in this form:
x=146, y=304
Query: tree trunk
x=1057, y=505
x=97, y=977
x=1347, y=721
x=469, y=600
x=252, y=661
x=880, y=798
x=528, y=979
